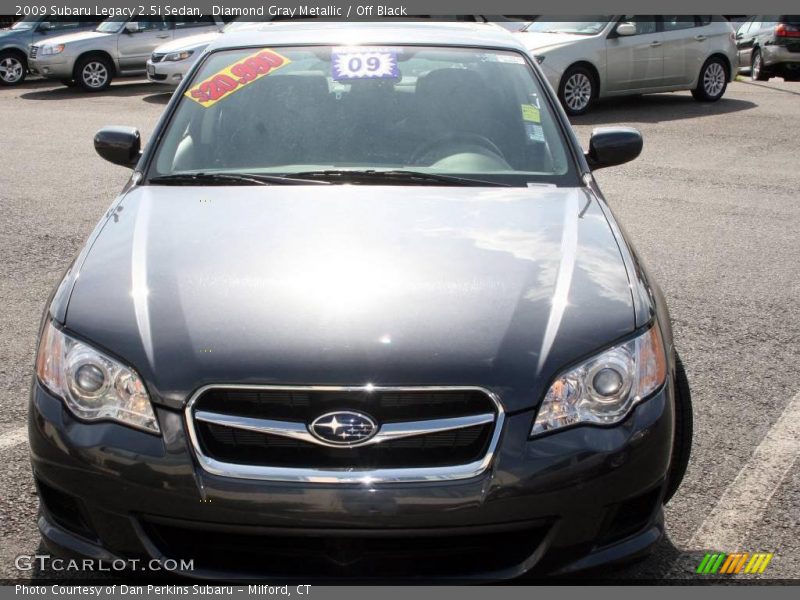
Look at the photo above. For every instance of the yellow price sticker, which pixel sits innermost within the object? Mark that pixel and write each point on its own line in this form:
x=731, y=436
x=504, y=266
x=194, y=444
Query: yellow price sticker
x=233, y=78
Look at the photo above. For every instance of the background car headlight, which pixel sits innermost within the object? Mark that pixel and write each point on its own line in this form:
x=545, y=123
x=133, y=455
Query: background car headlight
x=52, y=49
x=93, y=385
x=603, y=389
x=176, y=56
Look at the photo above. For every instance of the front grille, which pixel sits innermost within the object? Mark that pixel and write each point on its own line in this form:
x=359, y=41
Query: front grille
x=238, y=446
x=266, y=428
x=433, y=552
x=34, y=51
x=157, y=57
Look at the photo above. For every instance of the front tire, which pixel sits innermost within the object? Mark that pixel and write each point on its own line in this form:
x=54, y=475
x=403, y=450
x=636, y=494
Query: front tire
x=577, y=90
x=94, y=73
x=757, y=71
x=712, y=82
x=13, y=68
x=682, y=440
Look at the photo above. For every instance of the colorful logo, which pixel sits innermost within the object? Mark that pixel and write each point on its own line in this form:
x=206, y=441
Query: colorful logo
x=731, y=564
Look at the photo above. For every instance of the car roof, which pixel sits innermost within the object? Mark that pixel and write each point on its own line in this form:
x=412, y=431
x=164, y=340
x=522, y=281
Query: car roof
x=284, y=33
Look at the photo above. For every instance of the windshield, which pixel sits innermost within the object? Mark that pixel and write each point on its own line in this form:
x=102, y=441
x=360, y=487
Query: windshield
x=436, y=110
x=589, y=25
x=28, y=22
x=113, y=25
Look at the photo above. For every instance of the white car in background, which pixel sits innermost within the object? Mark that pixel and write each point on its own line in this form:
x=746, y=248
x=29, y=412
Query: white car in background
x=606, y=55
x=170, y=62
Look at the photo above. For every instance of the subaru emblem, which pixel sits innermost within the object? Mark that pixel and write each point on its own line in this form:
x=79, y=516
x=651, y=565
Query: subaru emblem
x=343, y=428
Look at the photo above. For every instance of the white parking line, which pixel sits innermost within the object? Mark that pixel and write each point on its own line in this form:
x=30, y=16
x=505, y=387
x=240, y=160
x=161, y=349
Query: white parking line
x=746, y=499
x=13, y=437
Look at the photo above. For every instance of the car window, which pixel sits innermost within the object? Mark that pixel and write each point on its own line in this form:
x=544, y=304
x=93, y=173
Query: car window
x=59, y=23
x=677, y=22
x=459, y=111
x=153, y=23
x=584, y=25
x=744, y=28
x=188, y=22
x=644, y=23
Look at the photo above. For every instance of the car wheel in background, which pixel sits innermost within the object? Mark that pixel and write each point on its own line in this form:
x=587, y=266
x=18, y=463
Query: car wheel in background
x=682, y=442
x=12, y=68
x=712, y=82
x=94, y=73
x=757, y=72
x=577, y=90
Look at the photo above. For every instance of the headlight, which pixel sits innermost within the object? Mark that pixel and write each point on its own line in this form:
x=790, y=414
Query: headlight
x=52, y=49
x=603, y=389
x=176, y=56
x=93, y=385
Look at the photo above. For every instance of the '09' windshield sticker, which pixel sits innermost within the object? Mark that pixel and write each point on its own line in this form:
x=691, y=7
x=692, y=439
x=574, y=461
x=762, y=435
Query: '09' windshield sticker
x=236, y=76
x=364, y=63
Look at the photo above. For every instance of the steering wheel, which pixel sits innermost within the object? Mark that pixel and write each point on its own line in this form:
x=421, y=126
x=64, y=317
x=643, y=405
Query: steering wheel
x=430, y=152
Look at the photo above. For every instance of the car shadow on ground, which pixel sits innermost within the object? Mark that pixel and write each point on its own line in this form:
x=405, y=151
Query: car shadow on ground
x=765, y=85
x=657, y=108
x=62, y=92
x=160, y=98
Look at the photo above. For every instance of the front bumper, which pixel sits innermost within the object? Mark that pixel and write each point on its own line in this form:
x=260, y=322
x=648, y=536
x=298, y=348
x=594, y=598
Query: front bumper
x=564, y=502
x=167, y=72
x=55, y=66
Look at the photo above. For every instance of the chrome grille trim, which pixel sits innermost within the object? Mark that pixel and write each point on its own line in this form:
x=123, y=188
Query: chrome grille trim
x=299, y=431
x=388, y=431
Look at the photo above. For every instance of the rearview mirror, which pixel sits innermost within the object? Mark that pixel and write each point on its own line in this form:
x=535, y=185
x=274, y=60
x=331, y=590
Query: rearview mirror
x=626, y=29
x=44, y=26
x=610, y=146
x=119, y=145
x=132, y=27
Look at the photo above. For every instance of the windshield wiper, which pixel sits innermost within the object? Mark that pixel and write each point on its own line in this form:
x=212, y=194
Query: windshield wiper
x=395, y=176
x=231, y=179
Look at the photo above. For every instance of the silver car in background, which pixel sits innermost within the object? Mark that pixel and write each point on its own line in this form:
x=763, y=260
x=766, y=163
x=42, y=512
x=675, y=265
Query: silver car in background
x=15, y=41
x=117, y=48
x=601, y=56
x=170, y=62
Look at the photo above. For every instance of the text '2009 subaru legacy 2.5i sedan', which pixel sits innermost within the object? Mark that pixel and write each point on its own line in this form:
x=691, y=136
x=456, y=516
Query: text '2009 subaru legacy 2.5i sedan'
x=361, y=311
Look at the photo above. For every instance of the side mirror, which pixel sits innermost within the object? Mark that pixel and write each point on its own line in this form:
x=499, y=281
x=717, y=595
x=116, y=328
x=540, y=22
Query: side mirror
x=119, y=145
x=44, y=27
x=739, y=35
x=132, y=27
x=626, y=29
x=610, y=146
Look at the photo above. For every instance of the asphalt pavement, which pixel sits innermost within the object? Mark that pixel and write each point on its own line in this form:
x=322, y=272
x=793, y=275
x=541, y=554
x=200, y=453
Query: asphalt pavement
x=712, y=205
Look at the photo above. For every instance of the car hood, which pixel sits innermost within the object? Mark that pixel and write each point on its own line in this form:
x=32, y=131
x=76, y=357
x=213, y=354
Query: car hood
x=187, y=43
x=495, y=287
x=80, y=36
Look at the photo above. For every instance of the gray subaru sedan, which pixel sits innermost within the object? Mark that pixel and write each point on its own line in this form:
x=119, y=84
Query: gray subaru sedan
x=361, y=311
